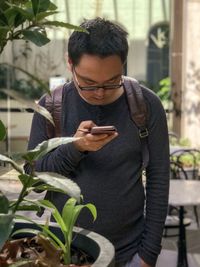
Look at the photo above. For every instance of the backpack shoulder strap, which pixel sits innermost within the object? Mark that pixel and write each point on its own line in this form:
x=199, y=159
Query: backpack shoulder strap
x=53, y=104
x=139, y=114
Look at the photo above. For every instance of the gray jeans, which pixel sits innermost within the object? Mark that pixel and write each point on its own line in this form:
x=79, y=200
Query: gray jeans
x=134, y=262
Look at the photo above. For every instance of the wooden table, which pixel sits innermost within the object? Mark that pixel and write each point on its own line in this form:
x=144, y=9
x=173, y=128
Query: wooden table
x=183, y=193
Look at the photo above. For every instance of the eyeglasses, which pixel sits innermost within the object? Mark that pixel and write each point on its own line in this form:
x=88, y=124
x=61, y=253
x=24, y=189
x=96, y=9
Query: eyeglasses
x=96, y=87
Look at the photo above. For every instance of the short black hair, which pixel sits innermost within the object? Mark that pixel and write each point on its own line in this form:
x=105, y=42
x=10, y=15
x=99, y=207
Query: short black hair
x=105, y=38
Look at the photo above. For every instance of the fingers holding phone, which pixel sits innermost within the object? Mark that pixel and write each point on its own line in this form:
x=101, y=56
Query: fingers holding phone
x=93, y=137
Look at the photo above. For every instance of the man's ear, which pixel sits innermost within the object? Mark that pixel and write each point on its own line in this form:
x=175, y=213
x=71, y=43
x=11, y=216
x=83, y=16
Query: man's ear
x=69, y=64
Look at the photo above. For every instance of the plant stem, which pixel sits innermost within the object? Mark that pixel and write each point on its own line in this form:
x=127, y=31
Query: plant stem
x=23, y=192
x=21, y=196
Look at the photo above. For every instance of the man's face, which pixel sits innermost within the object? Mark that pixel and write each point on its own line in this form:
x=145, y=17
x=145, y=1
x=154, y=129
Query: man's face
x=95, y=71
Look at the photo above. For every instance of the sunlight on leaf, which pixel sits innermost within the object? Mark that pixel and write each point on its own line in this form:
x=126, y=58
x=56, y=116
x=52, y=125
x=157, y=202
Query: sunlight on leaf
x=14, y=164
x=46, y=146
x=61, y=182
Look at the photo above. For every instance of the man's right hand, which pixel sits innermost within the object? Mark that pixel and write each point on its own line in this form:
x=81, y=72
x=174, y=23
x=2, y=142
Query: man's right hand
x=89, y=142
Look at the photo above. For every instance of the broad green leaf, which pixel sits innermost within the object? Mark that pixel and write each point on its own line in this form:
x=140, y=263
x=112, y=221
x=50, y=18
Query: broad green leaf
x=3, y=19
x=92, y=209
x=67, y=215
x=40, y=6
x=3, y=33
x=27, y=14
x=64, y=25
x=78, y=209
x=46, y=146
x=55, y=213
x=23, y=207
x=2, y=131
x=34, y=78
x=61, y=182
x=4, y=203
x=26, y=231
x=46, y=187
x=29, y=104
x=35, y=6
x=42, y=15
x=14, y=164
x=27, y=180
x=30, y=155
x=70, y=214
x=6, y=226
x=10, y=15
x=36, y=37
x=67, y=211
x=52, y=6
x=29, y=202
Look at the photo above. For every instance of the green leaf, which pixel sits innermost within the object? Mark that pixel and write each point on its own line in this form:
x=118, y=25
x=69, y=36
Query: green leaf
x=71, y=212
x=46, y=146
x=29, y=104
x=67, y=215
x=52, y=6
x=26, y=231
x=14, y=164
x=40, y=6
x=61, y=182
x=26, y=180
x=4, y=203
x=64, y=25
x=3, y=19
x=42, y=15
x=78, y=209
x=55, y=213
x=23, y=207
x=10, y=15
x=3, y=32
x=27, y=14
x=6, y=226
x=36, y=37
x=35, y=6
x=46, y=187
x=92, y=209
x=30, y=156
x=2, y=131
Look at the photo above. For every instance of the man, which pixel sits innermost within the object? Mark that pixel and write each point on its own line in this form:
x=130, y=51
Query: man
x=107, y=167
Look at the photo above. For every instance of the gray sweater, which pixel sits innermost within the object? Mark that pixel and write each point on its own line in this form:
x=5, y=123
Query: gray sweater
x=111, y=177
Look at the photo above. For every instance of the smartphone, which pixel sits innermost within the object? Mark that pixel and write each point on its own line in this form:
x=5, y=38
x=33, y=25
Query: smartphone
x=103, y=129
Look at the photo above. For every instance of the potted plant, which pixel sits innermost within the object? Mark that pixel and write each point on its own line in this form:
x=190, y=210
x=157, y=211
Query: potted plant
x=57, y=238
x=186, y=156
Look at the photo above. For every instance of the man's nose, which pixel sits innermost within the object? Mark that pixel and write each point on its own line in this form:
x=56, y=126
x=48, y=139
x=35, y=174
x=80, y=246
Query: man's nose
x=100, y=91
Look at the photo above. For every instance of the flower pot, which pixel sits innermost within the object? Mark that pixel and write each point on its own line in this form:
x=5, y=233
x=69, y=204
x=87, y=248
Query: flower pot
x=93, y=244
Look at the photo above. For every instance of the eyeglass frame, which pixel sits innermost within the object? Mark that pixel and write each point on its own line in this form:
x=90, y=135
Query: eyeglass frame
x=93, y=88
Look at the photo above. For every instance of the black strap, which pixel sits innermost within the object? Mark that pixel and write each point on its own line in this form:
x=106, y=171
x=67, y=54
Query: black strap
x=139, y=114
x=137, y=107
x=53, y=104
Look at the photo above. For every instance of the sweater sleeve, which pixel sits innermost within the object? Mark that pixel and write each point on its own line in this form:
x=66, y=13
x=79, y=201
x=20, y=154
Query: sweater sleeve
x=63, y=160
x=157, y=183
